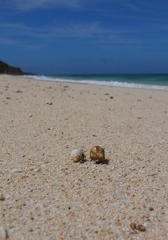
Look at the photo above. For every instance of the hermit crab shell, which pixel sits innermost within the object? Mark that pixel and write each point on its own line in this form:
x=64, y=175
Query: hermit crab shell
x=77, y=155
x=97, y=154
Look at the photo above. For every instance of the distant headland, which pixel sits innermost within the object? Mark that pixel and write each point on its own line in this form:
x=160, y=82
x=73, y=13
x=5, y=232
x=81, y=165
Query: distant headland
x=7, y=69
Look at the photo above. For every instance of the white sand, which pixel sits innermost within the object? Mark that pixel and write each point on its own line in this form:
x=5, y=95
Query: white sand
x=47, y=196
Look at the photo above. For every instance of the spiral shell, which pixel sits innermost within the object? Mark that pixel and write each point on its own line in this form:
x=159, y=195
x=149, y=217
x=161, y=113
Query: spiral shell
x=77, y=155
x=97, y=154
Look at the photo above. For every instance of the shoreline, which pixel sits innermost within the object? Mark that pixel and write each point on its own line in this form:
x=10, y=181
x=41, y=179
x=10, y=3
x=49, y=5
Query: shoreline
x=99, y=83
x=46, y=196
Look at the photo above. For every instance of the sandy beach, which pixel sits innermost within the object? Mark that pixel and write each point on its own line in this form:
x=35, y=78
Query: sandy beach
x=46, y=196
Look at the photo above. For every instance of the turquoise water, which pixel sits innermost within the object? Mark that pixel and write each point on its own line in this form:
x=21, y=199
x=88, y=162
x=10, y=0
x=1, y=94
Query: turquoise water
x=149, y=81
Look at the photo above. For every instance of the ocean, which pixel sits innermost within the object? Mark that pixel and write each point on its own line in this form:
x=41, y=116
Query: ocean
x=143, y=81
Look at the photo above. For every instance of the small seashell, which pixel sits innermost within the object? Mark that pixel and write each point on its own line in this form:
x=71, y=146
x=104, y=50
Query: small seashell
x=97, y=154
x=3, y=233
x=77, y=155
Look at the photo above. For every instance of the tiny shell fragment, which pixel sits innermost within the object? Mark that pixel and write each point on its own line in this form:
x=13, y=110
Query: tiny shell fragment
x=3, y=233
x=16, y=170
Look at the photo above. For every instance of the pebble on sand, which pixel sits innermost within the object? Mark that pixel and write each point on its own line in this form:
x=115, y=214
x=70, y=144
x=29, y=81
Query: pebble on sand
x=133, y=226
x=2, y=198
x=49, y=102
x=139, y=227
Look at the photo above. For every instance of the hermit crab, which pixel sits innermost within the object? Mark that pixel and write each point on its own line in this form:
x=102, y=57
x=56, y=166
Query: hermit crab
x=77, y=155
x=97, y=154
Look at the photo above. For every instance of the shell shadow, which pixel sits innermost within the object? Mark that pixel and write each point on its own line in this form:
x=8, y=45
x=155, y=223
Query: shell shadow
x=105, y=161
x=83, y=159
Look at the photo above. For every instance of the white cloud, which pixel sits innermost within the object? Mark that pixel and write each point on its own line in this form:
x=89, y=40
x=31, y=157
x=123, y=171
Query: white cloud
x=19, y=34
x=53, y=32
x=7, y=41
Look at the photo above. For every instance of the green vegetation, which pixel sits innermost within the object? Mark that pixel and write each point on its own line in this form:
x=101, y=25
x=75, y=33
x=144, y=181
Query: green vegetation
x=7, y=69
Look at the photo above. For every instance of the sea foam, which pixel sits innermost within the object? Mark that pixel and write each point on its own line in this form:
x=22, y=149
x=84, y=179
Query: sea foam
x=95, y=82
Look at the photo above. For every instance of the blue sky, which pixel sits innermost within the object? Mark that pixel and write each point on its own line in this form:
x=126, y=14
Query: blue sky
x=85, y=36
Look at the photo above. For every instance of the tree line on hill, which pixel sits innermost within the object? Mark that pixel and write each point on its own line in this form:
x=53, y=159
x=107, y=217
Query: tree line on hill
x=7, y=69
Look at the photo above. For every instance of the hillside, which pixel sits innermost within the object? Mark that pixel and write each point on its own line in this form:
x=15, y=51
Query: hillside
x=7, y=69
